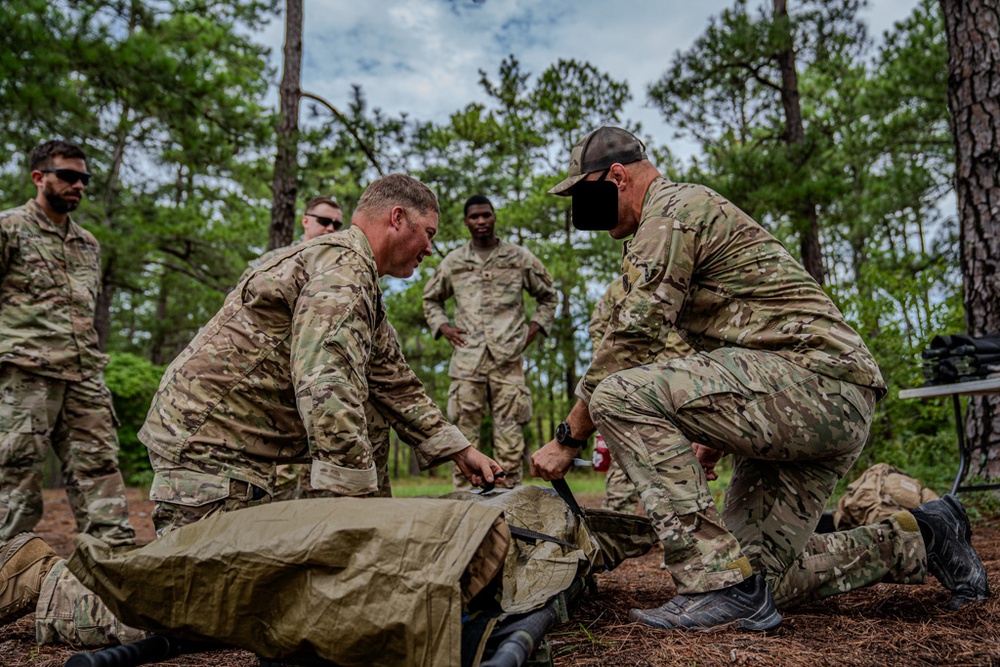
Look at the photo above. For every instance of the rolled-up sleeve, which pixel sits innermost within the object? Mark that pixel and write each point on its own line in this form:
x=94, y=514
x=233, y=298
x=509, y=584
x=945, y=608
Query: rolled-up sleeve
x=333, y=322
x=399, y=395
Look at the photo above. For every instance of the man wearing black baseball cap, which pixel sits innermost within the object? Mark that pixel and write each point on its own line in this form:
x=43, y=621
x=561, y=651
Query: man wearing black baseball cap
x=778, y=380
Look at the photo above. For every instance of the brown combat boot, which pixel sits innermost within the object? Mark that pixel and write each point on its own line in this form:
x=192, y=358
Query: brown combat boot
x=24, y=562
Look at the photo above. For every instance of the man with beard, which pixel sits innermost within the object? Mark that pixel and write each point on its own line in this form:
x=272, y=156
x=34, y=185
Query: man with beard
x=52, y=389
x=488, y=278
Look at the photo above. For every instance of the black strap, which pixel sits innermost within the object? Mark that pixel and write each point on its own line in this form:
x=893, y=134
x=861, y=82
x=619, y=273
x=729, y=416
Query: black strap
x=531, y=536
x=562, y=488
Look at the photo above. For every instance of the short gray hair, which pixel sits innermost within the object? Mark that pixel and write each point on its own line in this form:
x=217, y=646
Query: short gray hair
x=398, y=190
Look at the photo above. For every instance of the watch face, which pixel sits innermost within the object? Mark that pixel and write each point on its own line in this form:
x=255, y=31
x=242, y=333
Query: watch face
x=562, y=432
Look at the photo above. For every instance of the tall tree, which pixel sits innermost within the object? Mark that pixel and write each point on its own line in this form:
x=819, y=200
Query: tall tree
x=738, y=88
x=973, y=29
x=286, y=157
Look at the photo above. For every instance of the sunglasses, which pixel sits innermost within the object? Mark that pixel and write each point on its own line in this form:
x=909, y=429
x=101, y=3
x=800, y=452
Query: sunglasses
x=326, y=222
x=70, y=176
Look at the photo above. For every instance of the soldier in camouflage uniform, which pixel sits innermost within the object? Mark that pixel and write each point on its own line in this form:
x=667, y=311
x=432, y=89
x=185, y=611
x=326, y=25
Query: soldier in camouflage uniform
x=324, y=216
x=284, y=371
x=488, y=278
x=52, y=390
x=778, y=380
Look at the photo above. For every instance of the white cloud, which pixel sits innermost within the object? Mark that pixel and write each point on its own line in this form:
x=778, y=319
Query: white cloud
x=423, y=56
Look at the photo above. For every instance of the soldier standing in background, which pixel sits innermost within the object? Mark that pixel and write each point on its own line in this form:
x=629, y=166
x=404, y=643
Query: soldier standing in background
x=488, y=278
x=52, y=390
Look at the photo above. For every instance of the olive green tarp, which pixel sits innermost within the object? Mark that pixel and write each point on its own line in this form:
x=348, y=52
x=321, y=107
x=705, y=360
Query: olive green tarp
x=374, y=581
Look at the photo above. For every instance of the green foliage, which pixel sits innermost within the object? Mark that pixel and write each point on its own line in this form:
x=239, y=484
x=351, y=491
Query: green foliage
x=168, y=98
x=875, y=161
x=133, y=382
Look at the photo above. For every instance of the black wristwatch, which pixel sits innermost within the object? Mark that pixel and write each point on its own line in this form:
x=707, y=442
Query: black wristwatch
x=564, y=437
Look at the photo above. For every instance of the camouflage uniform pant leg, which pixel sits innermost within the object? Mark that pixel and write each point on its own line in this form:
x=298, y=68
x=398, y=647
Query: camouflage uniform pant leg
x=182, y=496
x=69, y=613
x=466, y=407
x=86, y=442
x=619, y=492
x=890, y=551
x=510, y=403
x=24, y=442
x=793, y=434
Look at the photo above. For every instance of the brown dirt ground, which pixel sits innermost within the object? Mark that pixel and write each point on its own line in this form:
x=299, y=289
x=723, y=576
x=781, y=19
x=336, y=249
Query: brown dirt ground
x=877, y=626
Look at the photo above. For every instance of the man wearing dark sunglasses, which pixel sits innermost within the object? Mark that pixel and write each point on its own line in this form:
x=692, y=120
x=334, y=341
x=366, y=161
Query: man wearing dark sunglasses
x=323, y=215
x=52, y=390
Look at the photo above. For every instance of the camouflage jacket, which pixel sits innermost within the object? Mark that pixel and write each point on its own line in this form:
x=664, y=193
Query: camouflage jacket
x=292, y=357
x=700, y=267
x=604, y=312
x=489, y=303
x=48, y=292
x=262, y=259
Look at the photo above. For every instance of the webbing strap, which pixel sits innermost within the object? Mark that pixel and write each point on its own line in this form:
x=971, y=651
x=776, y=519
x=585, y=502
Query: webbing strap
x=531, y=536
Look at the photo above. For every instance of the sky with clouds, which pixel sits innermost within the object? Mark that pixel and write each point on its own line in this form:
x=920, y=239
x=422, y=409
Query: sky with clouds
x=423, y=56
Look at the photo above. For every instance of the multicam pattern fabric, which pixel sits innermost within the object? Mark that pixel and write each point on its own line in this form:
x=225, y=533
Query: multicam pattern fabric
x=49, y=281
x=292, y=358
x=68, y=613
x=778, y=380
x=182, y=496
x=700, y=267
x=793, y=433
x=489, y=304
x=890, y=551
x=51, y=388
x=258, y=262
x=504, y=389
x=619, y=492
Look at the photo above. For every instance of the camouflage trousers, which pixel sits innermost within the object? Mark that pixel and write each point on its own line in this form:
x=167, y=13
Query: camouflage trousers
x=77, y=420
x=619, y=491
x=792, y=433
x=292, y=479
x=503, y=389
x=182, y=496
x=890, y=551
x=68, y=612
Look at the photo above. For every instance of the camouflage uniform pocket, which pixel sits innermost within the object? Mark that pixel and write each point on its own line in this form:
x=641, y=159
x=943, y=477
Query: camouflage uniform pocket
x=861, y=399
x=189, y=488
x=18, y=444
x=524, y=409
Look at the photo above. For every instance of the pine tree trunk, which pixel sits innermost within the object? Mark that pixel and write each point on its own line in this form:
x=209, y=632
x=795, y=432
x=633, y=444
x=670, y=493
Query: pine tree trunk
x=973, y=30
x=806, y=219
x=285, y=162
